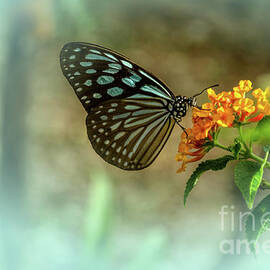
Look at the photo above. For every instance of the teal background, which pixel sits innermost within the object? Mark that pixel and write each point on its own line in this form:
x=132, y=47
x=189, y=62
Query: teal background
x=62, y=206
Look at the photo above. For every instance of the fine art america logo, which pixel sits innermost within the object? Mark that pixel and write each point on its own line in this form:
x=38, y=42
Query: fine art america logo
x=234, y=222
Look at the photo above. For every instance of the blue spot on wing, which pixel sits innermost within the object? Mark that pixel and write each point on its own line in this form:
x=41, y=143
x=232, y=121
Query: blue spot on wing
x=111, y=70
x=92, y=56
x=135, y=77
x=114, y=65
x=90, y=71
x=88, y=83
x=86, y=64
x=128, y=82
x=105, y=79
x=115, y=91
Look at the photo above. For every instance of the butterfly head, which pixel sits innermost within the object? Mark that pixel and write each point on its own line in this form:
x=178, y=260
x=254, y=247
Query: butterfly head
x=181, y=105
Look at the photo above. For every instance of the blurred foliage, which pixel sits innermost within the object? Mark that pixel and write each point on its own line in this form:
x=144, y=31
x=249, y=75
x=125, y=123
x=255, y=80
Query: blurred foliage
x=97, y=247
x=99, y=215
x=99, y=226
x=258, y=222
x=188, y=44
x=261, y=133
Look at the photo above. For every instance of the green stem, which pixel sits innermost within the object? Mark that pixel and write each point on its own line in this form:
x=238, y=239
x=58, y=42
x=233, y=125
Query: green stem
x=248, y=154
x=217, y=144
x=241, y=137
x=265, y=158
x=261, y=160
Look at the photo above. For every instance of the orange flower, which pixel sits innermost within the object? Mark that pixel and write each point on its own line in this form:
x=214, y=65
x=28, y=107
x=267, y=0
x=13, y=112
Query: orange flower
x=235, y=95
x=244, y=107
x=212, y=95
x=224, y=98
x=224, y=117
x=223, y=110
x=203, y=121
x=206, y=112
x=260, y=94
x=207, y=107
x=243, y=87
x=262, y=105
x=201, y=128
x=245, y=104
x=190, y=147
x=257, y=118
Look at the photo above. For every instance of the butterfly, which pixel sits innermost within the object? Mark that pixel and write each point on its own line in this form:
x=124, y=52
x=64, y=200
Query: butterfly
x=131, y=113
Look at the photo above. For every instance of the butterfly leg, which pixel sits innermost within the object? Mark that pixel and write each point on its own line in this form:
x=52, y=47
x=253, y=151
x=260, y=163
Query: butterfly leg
x=183, y=128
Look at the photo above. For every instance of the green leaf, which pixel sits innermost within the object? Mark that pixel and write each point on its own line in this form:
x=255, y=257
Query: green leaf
x=258, y=222
x=213, y=164
x=248, y=177
x=262, y=131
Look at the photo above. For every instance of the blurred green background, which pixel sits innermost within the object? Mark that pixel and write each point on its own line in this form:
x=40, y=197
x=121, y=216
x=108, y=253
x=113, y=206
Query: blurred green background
x=62, y=206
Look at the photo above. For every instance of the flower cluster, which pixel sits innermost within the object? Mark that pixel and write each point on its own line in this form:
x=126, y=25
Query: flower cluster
x=226, y=109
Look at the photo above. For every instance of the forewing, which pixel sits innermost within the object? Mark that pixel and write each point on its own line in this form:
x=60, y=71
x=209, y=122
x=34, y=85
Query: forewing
x=98, y=74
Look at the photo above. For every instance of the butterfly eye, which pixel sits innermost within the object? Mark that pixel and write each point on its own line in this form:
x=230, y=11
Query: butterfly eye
x=131, y=113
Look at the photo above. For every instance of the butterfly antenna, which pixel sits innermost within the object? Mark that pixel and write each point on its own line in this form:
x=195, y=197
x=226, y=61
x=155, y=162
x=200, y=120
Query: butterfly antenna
x=215, y=85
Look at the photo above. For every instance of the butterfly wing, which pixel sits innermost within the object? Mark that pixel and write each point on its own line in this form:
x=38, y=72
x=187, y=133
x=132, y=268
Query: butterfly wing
x=98, y=74
x=128, y=120
x=129, y=133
